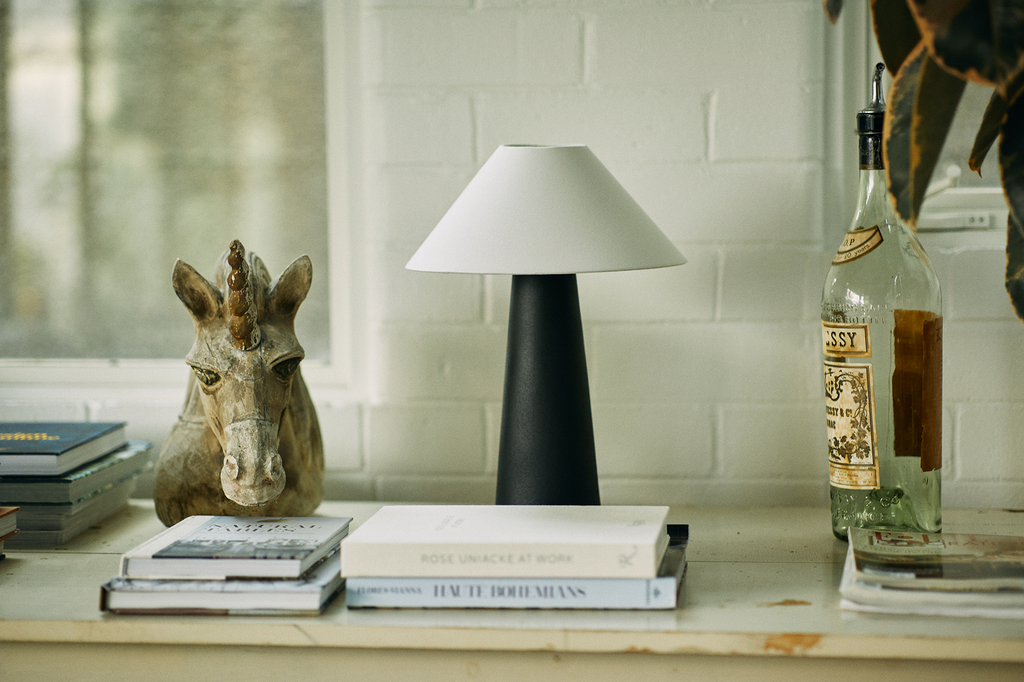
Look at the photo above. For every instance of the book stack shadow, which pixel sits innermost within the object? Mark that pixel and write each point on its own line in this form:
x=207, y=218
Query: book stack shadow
x=229, y=565
x=515, y=557
x=65, y=477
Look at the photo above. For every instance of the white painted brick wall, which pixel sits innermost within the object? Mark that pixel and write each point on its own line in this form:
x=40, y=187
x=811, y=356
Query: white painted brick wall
x=706, y=378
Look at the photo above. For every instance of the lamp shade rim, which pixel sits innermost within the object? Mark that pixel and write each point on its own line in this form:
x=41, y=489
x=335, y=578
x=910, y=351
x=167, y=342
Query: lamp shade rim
x=544, y=209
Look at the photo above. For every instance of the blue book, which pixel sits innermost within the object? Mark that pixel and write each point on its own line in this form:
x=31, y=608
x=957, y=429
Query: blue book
x=661, y=592
x=54, y=448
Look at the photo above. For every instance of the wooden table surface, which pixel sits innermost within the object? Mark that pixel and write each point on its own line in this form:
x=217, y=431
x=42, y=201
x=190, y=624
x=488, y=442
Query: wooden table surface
x=760, y=602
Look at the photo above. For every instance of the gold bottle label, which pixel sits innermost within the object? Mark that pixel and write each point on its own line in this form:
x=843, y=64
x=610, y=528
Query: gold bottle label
x=850, y=418
x=846, y=340
x=858, y=243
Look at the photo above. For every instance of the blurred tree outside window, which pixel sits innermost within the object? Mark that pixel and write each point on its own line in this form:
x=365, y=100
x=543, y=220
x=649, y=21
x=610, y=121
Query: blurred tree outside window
x=137, y=132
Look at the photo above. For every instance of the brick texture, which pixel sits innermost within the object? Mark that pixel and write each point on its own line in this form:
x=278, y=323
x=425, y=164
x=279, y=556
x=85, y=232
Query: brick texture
x=705, y=378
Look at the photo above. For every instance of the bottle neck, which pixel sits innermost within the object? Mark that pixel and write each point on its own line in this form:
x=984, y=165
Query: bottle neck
x=873, y=204
x=869, y=149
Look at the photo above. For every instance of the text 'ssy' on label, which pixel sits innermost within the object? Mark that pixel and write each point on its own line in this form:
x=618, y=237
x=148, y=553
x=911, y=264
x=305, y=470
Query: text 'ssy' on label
x=846, y=340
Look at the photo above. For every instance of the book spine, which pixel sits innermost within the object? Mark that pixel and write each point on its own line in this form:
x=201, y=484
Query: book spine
x=493, y=560
x=517, y=593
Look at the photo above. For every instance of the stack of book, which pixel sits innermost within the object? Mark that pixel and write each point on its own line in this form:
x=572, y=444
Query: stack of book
x=950, y=574
x=231, y=565
x=537, y=557
x=8, y=525
x=66, y=476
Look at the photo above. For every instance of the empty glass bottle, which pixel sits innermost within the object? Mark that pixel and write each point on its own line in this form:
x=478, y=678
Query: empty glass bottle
x=881, y=318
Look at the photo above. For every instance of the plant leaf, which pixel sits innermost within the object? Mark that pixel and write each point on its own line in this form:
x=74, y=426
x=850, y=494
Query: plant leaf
x=992, y=120
x=938, y=96
x=1008, y=19
x=832, y=9
x=1015, y=265
x=922, y=102
x=1011, y=166
x=895, y=31
x=896, y=130
x=981, y=40
x=988, y=132
x=1011, y=159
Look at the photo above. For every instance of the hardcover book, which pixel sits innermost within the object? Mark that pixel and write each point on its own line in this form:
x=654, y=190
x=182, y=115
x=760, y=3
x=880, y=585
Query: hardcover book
x=8, y=520
x=4, y=538
x=510, y=541
x=934, y=573
x=80, y=482
x=53, y=448
x=222, y=547
x=51, y=525
x=661, y=592
x=307, y=595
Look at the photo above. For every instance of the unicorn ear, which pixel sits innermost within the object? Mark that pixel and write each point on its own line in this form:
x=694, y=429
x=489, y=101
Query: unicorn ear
x=290, y=289
x=201, y=298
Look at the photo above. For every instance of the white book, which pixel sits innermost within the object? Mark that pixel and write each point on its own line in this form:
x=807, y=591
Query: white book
x=522, y=541
x=528, y=593
x=221, y=547
x=8, y=520
x=307, y=595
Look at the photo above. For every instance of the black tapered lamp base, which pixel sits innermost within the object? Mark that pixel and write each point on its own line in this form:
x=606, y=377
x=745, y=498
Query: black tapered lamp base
x=546, y=450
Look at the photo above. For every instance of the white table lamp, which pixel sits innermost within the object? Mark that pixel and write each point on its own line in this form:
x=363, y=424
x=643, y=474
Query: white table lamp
x=543, y=214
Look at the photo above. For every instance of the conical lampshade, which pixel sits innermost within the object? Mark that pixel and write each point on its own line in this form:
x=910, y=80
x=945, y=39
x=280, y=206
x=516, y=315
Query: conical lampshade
x=543, y=214
x=534, y=210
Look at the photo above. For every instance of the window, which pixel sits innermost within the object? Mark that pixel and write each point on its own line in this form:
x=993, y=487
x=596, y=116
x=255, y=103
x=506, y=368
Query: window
x=959, y=199
x=136, y=132
x=961, y=208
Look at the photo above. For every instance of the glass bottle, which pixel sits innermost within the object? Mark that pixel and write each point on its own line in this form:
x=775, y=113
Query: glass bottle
x=881, y=319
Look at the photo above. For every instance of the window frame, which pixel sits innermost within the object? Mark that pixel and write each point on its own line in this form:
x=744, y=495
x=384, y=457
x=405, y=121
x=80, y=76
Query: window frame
x=852, y=51
x=42, y=380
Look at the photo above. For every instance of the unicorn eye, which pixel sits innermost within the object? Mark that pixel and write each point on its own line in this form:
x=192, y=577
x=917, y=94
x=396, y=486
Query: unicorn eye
x=208, y=377
x=286, y=368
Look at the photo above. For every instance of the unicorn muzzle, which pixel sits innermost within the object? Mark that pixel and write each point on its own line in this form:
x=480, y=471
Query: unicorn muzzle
x=252, y=473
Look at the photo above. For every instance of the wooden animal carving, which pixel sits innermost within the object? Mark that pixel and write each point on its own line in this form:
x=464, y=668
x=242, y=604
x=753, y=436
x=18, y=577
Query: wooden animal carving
x=247, y=442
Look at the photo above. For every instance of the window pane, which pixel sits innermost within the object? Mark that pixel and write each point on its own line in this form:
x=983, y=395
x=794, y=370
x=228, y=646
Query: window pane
x=142, y=131
x=957, y=148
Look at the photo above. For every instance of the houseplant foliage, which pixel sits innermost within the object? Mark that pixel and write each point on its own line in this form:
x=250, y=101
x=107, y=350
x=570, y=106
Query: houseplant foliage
x=933, y=48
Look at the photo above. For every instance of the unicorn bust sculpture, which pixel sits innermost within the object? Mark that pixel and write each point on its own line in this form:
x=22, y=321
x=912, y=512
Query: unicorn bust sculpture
x=247, y=442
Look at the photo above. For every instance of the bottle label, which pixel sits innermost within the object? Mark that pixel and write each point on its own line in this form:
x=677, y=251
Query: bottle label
x=917, y=387
x=850, y=418
x=858, y=243
x=846, y=340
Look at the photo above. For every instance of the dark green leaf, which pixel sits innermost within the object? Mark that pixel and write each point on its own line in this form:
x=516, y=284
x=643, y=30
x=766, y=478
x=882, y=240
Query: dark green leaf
x=981, y=40
x=895, y=31
x=1015, y=265
x=988, y=132
x=992, y=120
x=1011, y=166
x=896, y=133
x=1008, y=20
x=832, y=9
x=1011, y=159
x=938, y=96
x=922, y=103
